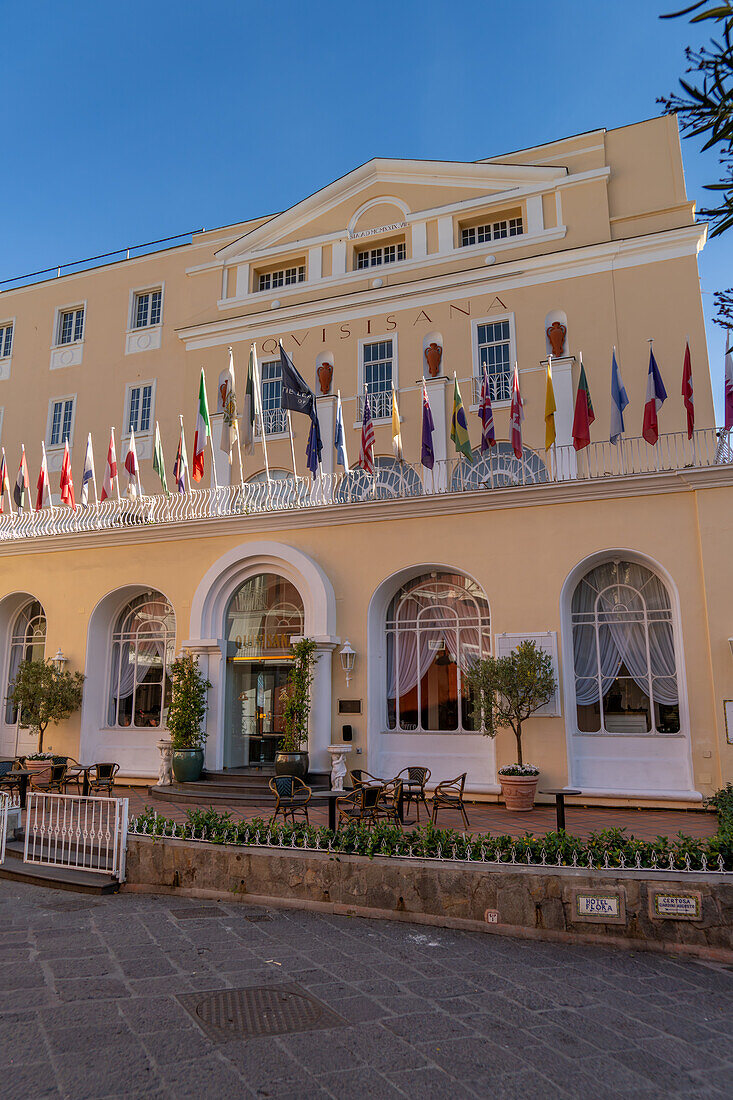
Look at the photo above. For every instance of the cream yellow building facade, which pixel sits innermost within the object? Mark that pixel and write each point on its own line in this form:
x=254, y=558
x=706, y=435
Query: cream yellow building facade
x=615, y=559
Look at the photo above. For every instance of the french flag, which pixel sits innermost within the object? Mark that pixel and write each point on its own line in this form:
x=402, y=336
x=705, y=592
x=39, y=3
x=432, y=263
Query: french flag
x=656, y=395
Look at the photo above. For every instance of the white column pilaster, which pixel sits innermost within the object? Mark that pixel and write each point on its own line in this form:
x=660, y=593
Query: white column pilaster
x=535, y=216
x=338, y=258
x=419, y=240
x=445, y=233
x=211, y=653
x=436, y=388
x=562, y=384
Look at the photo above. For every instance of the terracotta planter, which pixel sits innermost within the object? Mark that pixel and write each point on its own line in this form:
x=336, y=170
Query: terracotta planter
x=433, y=357
x=518, y=791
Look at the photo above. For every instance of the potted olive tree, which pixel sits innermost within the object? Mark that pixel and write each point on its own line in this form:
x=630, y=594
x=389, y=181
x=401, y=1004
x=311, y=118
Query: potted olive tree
x=44, y=694
x=292, y=751
x=185, y=716
x=506, y=692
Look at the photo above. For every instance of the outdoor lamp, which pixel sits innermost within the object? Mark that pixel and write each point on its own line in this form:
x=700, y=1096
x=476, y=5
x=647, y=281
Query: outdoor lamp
x=348, y=656
x=59, y=660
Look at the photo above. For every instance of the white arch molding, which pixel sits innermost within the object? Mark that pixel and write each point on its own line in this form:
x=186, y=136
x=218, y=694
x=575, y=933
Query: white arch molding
x=135, y=750
x=380, y=200
x=11, y=738
x=207, y=638
x=446, y=754
x=625, y=765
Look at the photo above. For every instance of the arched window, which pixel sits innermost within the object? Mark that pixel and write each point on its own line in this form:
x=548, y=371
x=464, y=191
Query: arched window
x=624, y=653
x=498, y=467
x=437, y=624
x=142, y=651
x=27, y=643
x=262, y=616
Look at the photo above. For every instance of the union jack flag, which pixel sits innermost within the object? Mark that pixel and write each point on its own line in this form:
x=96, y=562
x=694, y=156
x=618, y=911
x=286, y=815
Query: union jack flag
x=488, y=436
x=366, y=451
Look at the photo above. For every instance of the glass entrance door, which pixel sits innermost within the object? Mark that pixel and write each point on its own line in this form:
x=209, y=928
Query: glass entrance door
x=254, y=722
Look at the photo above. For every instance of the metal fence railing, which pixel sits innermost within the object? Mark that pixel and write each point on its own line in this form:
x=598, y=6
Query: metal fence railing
x=4, y=808
x=76, y=832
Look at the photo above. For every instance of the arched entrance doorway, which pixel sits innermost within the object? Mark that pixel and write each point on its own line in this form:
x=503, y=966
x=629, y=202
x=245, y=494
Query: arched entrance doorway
x=263, y=615
x=26, y=642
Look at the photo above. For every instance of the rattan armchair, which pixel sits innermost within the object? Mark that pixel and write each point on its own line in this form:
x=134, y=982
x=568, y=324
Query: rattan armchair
x=388, y=803
x=360, y=778
x=413, y=788
x=102, y=778
x=360, y=806
x=9, y=781
x=449, y=795
x=292, y=796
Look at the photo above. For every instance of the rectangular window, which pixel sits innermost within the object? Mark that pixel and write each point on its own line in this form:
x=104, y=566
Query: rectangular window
x=493, y=231
x=140, y=408
x=6, y=340
x=388, y=254
x=377, y=377
x=146, y=311
x=275, y=418
x=494, y=354
x=62, y=416
x=288, y=276
x=71, y=326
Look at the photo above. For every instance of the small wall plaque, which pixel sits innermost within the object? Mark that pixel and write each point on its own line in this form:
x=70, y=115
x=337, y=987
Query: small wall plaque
x=599, y=906
x=349, y=706
x=664, y=905
x=491, y=916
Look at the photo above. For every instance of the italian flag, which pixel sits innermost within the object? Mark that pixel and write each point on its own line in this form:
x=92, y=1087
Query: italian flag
x=584, y=415
x=203, y=430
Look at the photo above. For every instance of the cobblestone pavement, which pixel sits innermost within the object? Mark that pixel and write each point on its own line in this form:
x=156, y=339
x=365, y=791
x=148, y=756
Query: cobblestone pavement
x=89, y=1008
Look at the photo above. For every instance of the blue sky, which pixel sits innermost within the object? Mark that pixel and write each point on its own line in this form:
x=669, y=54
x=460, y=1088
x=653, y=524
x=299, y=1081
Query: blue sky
x=129, y=122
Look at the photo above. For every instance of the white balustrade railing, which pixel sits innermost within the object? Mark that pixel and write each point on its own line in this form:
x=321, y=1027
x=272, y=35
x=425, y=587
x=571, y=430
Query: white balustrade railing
x=497, y=469
x=81, y=833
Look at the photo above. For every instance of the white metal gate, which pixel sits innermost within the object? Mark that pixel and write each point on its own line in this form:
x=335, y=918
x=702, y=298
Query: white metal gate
x=4, y=807
x=81, y=833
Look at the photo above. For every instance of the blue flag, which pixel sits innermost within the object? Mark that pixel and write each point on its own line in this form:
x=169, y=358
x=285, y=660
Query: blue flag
x=297, y=395
x=619, y=401
x=314, y=448
x=339, y=439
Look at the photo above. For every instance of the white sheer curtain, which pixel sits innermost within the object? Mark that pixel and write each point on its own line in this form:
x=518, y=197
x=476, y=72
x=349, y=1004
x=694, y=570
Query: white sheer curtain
x=145, y=629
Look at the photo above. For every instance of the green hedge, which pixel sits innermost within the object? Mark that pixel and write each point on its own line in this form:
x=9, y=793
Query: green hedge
x=608, y=847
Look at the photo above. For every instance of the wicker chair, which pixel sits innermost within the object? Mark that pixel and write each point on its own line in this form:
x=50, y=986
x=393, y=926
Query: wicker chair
x=360, y=778
x=292, y=796
x=449, y=795
x=413, y=788
x=360, y=806
x=388, y=803
x=52, y=779
x=102, y=778
x=8, y=781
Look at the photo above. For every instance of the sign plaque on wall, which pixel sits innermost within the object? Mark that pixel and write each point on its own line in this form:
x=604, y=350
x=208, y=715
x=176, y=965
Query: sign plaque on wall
x=349, y=706
x=665, y=905
x=599, y=906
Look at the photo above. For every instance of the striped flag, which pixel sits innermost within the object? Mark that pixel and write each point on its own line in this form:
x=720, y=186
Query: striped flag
x=458, y=426
x=516, y=414
x=687, y=393
x=88, y=475
x=110, y=473
x=42, y=483
x=366, y=450
x=584, y=414
x=656, y=395
x=67, y=482
x=159, y=460
x=486, y=413
x=21, y=492
x=4, y=485
x=203, y=430
x=396, y=429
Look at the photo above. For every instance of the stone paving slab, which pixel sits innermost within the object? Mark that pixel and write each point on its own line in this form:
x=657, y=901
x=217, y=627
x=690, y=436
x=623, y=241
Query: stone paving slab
x=89, y=1009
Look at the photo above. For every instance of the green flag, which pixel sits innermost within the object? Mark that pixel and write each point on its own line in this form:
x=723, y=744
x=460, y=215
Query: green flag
x=159, y=460
x=459, y=428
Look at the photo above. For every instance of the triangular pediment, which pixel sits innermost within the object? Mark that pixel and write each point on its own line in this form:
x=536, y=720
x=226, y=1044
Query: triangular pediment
x=383, y=192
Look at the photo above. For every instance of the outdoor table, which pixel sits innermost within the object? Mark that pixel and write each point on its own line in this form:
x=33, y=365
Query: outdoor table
x=82, y=770
x=331, y=797
x=559, y=793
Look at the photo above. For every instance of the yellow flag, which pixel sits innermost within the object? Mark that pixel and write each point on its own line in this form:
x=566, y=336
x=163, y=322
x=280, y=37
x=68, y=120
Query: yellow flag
x=396, y=430
x=550, y=409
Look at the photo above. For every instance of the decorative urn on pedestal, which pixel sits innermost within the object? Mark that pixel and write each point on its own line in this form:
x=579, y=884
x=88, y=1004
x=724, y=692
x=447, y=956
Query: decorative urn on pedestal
x=325, y=377
x=433, y=358
x=556, y=334
x=338, y=765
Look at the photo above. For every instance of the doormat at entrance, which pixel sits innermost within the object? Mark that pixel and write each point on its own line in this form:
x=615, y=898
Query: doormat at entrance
x=257, y=1011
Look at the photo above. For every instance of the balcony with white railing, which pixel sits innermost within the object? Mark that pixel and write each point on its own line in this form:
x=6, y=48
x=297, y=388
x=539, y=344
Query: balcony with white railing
x=496, y=471
x=275, y=421
x=380, y=404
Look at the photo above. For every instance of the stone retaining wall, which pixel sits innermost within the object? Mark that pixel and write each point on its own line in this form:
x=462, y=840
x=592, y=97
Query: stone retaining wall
x=689, y=913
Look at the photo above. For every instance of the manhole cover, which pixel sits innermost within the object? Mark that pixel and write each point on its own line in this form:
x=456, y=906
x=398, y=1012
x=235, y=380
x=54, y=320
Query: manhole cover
x=197, y=912
x=260, y=1010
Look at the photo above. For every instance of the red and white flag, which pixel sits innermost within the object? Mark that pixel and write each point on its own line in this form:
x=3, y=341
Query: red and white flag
x=110, y=471
x=203, y=431
x=132, y=467
x=42, y=483
x=687, y=395
x=67, y=483
x=516, y=415
x=5, y=485
x=366, y=450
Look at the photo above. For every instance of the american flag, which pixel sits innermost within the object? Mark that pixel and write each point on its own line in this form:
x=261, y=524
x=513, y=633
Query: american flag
x=488, y=436
x=366, y=451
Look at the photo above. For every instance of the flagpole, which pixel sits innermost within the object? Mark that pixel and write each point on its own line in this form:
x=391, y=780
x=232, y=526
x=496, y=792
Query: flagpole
x=184, y=452
x=117, y=476
x=258, y=411
x=10, y=495
x=292, y=444
x=48, y=476
x=343, y=426
x=94, y=472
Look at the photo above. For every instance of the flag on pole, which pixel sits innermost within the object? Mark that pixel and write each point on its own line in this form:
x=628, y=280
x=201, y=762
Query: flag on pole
x=584, y=414
x=88, y=474
x=4, y=485
x=619, y=401
x=656, y=395
x=427, y=454
x=230, y=408
x=248, y=406
x=728, y=390
x=131, y=465
x=687, y=394
x=485, y=411
x=458, y=426
x=516, y=414
x=110, y=473
x=21, y=492
x=550, y=408
x=339, y=439
x=66, y=483
x=42, y=482
x=180, y=466
x=396, y=429
x=366, y=450
x=159, y=460
x=297, y=396
x=203, y=430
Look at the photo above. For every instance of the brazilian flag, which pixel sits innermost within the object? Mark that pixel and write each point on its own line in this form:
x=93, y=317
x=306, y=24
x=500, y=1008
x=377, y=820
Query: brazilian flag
x=458, y=426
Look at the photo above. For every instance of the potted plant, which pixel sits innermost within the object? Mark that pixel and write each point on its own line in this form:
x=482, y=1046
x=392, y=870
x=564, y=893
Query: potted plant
x=188, y=707
x=506, y=692
x=44, y=694
x=291, y=757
